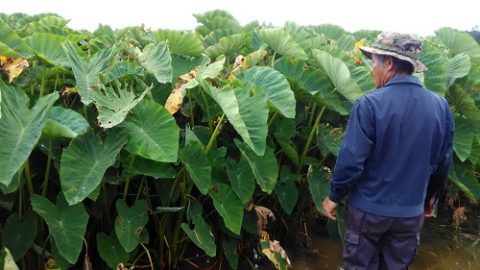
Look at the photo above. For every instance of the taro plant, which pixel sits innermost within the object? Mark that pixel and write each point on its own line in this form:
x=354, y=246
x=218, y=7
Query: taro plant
x=162, y=149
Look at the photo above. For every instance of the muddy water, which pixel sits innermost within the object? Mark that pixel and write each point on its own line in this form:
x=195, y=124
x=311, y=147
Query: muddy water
x=442, y=251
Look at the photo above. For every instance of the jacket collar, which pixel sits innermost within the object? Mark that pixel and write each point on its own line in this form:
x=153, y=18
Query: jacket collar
x=404, y=79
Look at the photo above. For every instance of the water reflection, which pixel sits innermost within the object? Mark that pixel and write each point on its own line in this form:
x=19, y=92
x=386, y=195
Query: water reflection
x=441, y=249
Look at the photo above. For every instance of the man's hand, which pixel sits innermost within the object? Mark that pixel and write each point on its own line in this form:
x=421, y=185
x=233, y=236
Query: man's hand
x=329, y=209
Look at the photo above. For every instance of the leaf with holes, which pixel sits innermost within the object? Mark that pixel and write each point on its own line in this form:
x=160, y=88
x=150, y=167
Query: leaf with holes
x=130, y=223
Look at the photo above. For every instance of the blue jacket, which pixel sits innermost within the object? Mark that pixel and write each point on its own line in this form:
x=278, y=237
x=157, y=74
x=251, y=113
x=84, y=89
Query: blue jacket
x=398, y=138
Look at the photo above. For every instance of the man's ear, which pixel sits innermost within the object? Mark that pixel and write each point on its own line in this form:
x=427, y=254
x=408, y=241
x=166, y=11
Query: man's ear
x=389, y=65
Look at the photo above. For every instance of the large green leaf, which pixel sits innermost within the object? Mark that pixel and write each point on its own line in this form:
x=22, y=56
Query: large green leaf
x=180, y=42
x=229, y=206
x=329, y=139
x=461, y=102
x=330, y=31
x=48, y=47
x=463, y=176
x=217, y=19
x=122, y=70
x=110, y=250
x=20, y=129
x=339, y=74
x=84, y=163
x=19, y=233
x=152, y=132
x=86, y=72
x=463, y=138
x=458, y=67
x=227, y=46
x=11, y=45
x=241, y=178
x=286, y=190
x=67, y=224
x=197, y=165
x=63, y=122
x=319, y=186
x=282, y=43
x=130, y=223
x=157, y=60
x=201, y=234
x=309, y=84
x=114, y=105
x=246, y=111
x=435, y=59
x=264, y=168
x=230, y=251
x=276, y=88
x=459, y=42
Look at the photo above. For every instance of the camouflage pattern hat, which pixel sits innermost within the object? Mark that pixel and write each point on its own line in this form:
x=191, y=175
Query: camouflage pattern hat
x=402, y=46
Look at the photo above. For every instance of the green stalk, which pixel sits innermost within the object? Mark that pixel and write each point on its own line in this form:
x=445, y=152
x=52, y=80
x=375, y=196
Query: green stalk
x=312, y=113
x=42, y=84
x=207, y=109
x=215, y=134
x=127, y=181
x=192, y=120
x=47, y=171
x=28, y=175
x=274, y=116
x=273, y=60
x=310, y=137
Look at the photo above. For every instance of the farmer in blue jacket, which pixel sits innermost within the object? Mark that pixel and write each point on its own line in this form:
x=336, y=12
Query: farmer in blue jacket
x=393, y=161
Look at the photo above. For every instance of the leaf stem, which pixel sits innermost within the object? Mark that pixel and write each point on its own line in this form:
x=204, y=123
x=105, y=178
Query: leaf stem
x=127, y=181
x=207, y=109
x=312, y=113
x=274, y=116
x=28, y=175
x=47, y=170
x=310, y=137
x=215, y=134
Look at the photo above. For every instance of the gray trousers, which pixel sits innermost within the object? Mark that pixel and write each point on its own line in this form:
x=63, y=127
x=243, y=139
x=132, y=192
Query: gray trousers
x=375, y=242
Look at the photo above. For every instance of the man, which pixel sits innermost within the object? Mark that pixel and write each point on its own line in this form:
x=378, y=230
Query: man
x=397, y=146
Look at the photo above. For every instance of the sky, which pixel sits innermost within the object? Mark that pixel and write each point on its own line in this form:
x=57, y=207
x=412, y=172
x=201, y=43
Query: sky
x=406, y=16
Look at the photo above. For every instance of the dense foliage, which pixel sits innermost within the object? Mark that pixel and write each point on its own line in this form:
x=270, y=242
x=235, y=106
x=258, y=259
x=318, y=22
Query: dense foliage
x=148, y=147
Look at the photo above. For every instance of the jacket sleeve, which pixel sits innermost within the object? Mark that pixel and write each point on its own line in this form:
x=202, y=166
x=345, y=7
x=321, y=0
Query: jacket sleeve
x=439, y=178
x=355, y=149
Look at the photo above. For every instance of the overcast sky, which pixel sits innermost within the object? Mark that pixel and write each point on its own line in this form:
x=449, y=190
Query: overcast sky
x=414, y=16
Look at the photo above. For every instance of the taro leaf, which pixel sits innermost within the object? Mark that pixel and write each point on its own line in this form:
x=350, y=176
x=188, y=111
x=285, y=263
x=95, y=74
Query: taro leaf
x=6, y=260
x=282, y=43
x=180, y=42
x=457, y=67
x=319, y=186
x=182, y=65
x=435, y=59
x=241, y=178
x=230, y=251
x=275, y=86
x=152, y=132
x=463, y=176
x=121, y=70
x=113, y=106
x=330, y=31
x=86, y=73
x=286, y=190
x=84, y=163
x=329, y=139
x=110, y=250
x=288, y=147
x=63, y=122
x=339, y=74
x=11, y=45
x=463, y=138
x=137, y=165
x=201, y=234
x=475, y=154
x=226, y=46
x=58, y=262
x=130, y=223
x=264, y=168
x=459, y=42
x=197, y=165
x=67, y=224
x=20, y=129
x=19, y=233
x=247, y=112
x=229, y=206
x=49, y=47
x=161, y=210
x=310, y=84
x=157, y=60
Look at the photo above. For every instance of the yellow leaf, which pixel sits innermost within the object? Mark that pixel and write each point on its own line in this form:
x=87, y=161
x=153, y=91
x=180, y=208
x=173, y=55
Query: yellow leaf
x=359, y=44
x=51, y=264
x=13, y=67
x=174, y=101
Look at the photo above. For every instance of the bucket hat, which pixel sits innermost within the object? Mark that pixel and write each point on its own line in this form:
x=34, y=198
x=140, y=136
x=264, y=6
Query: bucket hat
x=402, y=46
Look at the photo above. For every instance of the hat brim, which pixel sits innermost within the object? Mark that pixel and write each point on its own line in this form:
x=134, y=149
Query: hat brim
x=417, y=65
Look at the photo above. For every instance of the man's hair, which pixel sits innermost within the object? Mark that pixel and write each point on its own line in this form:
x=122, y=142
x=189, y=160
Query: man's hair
x=400, y=65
